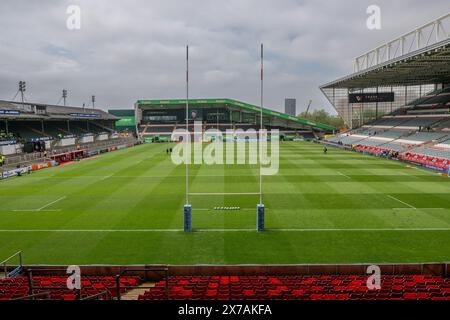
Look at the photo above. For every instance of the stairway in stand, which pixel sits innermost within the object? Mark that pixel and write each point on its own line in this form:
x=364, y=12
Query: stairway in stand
x=134, y=294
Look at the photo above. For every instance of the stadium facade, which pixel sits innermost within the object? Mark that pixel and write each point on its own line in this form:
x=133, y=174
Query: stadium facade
x=158, y=118
x=393, y=75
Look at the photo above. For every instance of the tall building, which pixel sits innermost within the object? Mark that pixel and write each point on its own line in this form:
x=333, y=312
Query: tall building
x=290, y=106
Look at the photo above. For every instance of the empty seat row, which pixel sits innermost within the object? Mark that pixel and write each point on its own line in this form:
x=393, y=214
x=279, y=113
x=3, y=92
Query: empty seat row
x=320, y=287
x=56, y=286
x=426, y=159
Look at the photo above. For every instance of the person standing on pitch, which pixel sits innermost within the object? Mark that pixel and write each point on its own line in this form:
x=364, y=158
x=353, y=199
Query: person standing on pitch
x=325, y=150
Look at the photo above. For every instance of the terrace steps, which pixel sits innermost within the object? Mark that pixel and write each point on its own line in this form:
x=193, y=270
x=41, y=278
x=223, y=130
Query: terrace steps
x=135, y=293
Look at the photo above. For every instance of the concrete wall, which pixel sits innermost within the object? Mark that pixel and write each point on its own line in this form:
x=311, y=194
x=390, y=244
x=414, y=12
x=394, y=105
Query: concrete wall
x=156, y=271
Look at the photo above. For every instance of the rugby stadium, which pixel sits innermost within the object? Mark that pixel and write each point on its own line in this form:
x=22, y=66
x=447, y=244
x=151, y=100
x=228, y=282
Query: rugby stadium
x=98, y=199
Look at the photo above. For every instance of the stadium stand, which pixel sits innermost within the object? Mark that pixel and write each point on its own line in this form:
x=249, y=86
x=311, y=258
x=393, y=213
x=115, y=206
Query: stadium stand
x=398, y=107
x=31, y=121
x=158, y=118
x=30, y=131
x=387, y=122
x=392, y=134
x=316, y=287
x=416, y=123
x=421, y=139
x=411, y=281
x=435, y=98
x=232, y=287
x=56, y=287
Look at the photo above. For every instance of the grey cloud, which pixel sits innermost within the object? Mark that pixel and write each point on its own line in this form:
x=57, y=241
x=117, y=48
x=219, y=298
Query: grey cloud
x=135, y=49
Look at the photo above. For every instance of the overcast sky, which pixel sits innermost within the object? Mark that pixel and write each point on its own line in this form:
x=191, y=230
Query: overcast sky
x=135, y=49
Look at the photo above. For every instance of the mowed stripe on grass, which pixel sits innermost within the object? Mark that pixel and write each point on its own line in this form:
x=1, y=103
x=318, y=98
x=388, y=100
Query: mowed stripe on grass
x=358, y=209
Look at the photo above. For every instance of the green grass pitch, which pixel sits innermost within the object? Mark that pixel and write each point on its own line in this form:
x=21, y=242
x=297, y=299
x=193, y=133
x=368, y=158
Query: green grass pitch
x=125, y=207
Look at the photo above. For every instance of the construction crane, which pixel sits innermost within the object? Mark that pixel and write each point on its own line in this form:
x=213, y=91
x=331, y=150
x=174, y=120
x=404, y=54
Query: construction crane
x=307, y=108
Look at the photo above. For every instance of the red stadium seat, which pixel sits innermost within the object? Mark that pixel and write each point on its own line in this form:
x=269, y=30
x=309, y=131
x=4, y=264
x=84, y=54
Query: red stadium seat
x=341, y=287
x=18, y=287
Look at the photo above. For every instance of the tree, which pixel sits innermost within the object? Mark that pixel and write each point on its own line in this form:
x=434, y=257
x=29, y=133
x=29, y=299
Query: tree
x=324, y=117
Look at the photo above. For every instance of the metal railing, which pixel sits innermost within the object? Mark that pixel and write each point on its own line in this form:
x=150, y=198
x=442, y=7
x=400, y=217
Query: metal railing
x=16, y=270
x=34, y=296
x=164, y=269
x=31, y=286
x=106, y=294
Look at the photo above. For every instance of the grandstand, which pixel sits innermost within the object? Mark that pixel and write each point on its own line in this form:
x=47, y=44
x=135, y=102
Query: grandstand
x=28, y=129
x=400, y=106
x=399, y=282
x=157, y=119
x=33, y=121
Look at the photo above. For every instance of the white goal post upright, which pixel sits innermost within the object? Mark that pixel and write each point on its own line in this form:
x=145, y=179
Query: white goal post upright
x=187, y=207
x=260, y=206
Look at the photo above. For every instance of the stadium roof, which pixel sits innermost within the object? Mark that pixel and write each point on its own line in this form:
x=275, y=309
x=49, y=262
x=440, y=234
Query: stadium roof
x=13, y=110
x=242, y=105
x=421, y=56
x=426, y=66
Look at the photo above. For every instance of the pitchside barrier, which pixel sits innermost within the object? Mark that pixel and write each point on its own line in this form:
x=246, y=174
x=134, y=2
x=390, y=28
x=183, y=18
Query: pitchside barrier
x=431, y=268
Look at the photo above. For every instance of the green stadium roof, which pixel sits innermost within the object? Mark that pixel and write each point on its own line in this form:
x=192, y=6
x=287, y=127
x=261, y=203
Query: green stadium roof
x=241, y=104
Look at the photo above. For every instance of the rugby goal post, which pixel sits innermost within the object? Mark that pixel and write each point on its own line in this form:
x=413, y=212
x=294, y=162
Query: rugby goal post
x=260, y=209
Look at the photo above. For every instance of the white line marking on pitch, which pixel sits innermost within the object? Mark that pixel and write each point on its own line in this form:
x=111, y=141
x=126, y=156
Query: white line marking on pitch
x=212, y=209
x=35, y=210
x=233, y=230
x=406, y=204
x=343, y=174
x=43, y=207
x=49, y=204
x=106, y=177
x=418, y=208
x=223, y=193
